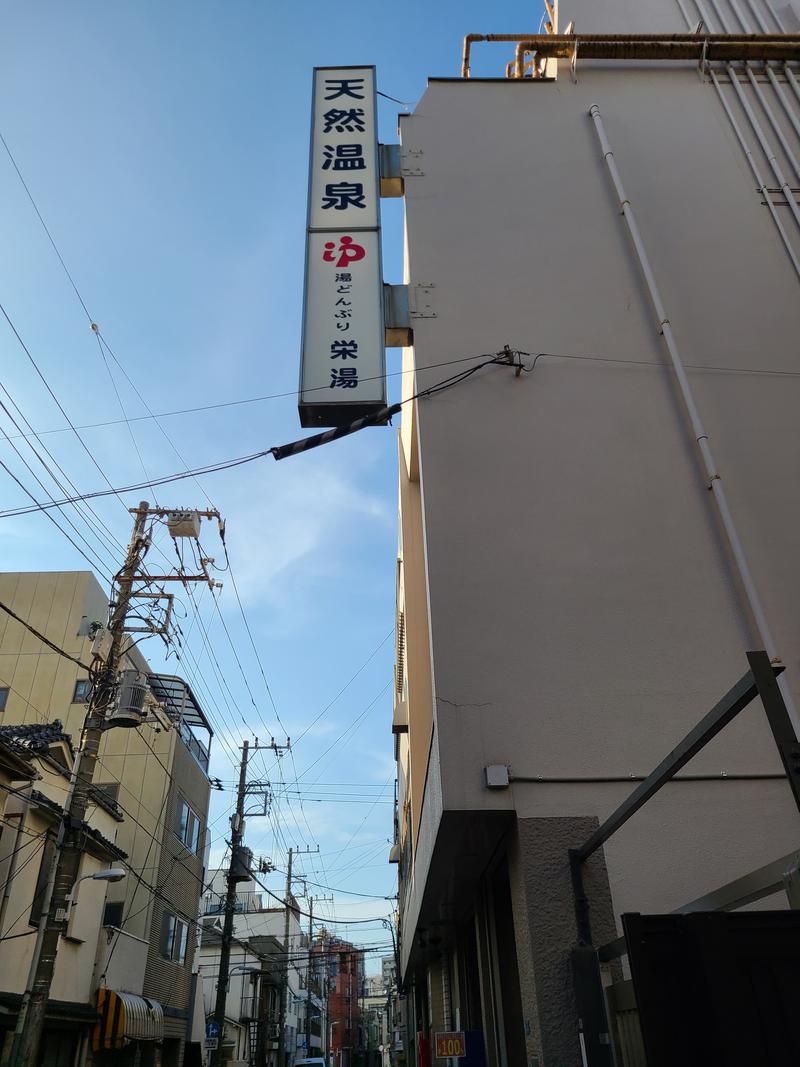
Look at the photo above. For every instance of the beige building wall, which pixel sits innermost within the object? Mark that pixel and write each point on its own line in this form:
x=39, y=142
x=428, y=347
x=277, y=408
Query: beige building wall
x=151, y=765
x=72, y=980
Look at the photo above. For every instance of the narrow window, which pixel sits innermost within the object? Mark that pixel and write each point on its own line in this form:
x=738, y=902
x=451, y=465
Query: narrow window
x=174, y=938
x=112, y=916
x=83, y=691
x=48, y=859
x=188, y=826
x=4, y=691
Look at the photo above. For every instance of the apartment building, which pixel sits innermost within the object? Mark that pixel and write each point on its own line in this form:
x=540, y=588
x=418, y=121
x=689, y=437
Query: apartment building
x=35, y=763
x=347, y=1042
x=157, y=778
x=574, y=594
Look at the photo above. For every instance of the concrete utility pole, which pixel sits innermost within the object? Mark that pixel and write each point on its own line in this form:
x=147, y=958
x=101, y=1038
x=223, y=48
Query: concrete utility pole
x=285, y=985
x=71, y=831
x=237, y=834
x=308, y=977
x=30, y=1021
x=308, y=974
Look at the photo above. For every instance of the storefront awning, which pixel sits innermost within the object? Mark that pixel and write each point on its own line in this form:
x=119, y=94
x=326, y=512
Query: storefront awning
x=125, y=1017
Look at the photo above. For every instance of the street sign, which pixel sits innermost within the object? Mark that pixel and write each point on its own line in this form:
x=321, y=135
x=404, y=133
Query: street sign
x=212, y=1036
x=343, y=370
x=451, y=1044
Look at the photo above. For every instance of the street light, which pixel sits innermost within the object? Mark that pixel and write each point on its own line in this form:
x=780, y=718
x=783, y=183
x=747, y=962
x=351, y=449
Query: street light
x=107, y=874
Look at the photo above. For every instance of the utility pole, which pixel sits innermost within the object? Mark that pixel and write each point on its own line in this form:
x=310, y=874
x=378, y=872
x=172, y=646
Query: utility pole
x=285, y=987
x=308, y=974
x=308, y=979
x=237, y=833
x=30, y=1021
x=71, y=831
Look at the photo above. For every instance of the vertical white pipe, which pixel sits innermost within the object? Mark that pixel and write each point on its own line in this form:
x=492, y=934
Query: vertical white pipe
x=788, y=109
x=749, y=157
x=774, y=164
x=734, y=78
x=757, y=175
x=787, y=69
x=698, y=430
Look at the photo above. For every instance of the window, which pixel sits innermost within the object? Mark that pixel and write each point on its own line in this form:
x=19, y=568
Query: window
x=174, y=937
x=48, y=859
x=112, y=916
x=188, y=825
x=83, y=691
x=3, y=697
x=110, y=790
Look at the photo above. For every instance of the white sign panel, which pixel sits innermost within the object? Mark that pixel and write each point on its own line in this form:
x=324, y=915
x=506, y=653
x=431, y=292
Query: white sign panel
x=344, y=326
x=344, y=150
x=343, y=360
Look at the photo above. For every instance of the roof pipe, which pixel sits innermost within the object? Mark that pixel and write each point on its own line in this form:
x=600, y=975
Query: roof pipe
x=672, y=46
x=698, y=429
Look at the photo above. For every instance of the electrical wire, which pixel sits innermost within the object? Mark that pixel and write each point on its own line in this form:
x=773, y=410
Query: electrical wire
x=95, y=525
x=764, y=371
x=211, y=468
x=45, y=640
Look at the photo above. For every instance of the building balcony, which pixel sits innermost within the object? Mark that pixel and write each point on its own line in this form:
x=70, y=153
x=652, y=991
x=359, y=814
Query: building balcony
x=181, y=706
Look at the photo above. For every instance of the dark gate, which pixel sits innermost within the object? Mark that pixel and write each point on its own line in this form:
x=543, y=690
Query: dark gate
x=717, y=988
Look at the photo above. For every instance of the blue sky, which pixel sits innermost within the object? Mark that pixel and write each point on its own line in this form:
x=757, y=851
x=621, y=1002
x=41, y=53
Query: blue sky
x=166, y=146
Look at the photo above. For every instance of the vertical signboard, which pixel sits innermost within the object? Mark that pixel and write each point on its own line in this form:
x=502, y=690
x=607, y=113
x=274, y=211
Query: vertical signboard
x=343, y=374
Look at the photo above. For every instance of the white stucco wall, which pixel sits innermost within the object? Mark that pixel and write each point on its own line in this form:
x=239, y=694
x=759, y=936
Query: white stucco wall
x=584, y=613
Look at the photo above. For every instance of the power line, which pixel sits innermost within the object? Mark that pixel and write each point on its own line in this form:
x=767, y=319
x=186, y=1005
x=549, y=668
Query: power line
x=96, y=525
x=278, y=452
x=764, y=371
x=42, y=638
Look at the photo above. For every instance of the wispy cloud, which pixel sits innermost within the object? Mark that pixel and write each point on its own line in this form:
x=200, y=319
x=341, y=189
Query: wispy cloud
x=294, y=521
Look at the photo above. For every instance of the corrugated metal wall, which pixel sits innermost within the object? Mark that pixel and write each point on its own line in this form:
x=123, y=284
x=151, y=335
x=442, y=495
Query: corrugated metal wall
x=625, y=1024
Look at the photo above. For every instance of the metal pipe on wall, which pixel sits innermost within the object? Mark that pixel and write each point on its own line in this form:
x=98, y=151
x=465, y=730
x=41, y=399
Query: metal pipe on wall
x=786, y=69
x=785, y=103
x=757, y=175
x=761, y=184
x=698, y=429
x=670, y=46
x=776, y=128
x=772, y=159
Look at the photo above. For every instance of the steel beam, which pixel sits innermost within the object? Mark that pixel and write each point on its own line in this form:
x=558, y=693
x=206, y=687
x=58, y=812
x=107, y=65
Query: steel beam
x=755, y=885
x=778, y=718
x=717, y=719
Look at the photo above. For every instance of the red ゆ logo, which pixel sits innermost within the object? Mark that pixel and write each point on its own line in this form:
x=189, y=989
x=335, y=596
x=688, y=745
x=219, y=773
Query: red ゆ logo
x=348, y=252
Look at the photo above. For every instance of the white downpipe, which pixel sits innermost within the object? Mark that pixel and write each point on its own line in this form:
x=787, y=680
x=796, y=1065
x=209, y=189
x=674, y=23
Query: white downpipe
x=787, y=69
x=750, y=158
x=700, y=435
x=775, y=166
